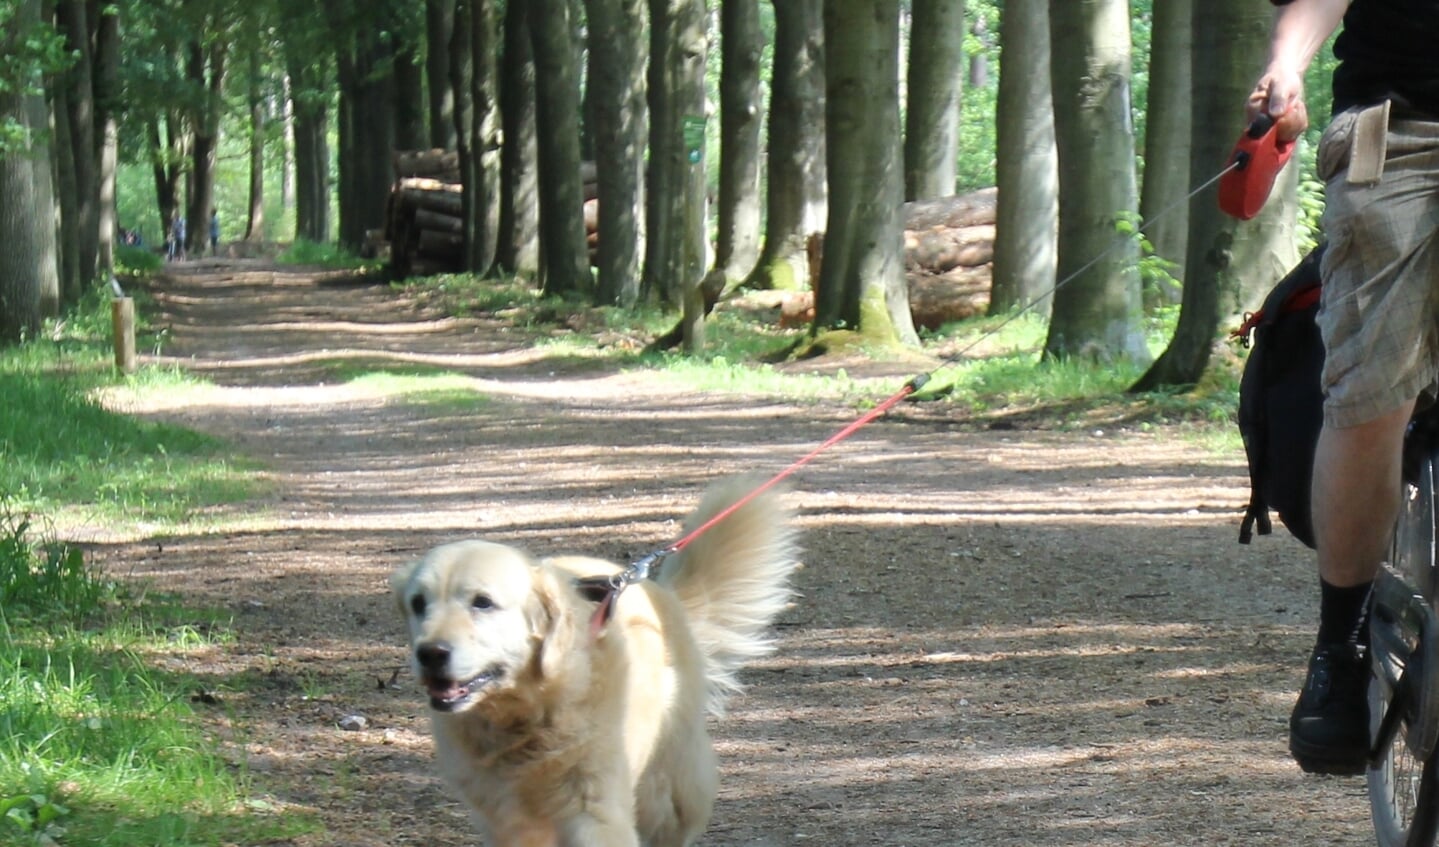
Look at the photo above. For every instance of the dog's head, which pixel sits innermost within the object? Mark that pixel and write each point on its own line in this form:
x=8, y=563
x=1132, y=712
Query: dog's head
x=481, y=616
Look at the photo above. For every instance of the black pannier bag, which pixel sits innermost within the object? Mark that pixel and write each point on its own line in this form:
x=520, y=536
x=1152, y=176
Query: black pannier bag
x=1281, y=406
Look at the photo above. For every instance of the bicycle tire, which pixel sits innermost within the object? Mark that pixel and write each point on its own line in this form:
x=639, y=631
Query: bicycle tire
x=1403, y=782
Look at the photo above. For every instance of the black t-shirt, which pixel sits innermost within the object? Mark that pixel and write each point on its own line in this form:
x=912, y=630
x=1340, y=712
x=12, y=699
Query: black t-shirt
x=1388, y=49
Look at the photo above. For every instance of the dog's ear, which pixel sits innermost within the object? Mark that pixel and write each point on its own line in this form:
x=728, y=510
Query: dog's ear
x=399, y=581
x=552, y=623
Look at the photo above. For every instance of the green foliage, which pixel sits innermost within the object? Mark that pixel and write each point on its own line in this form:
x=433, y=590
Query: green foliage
x=304, y=252
x=96, y=745
x=62, y=449
x=44, y=582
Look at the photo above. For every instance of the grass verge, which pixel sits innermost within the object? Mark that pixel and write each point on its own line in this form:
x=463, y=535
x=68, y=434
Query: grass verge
x=63, y=453
x=97, y=746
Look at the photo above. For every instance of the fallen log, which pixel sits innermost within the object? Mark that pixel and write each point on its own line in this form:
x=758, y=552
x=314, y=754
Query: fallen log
x=939, y=249
x=960, y=210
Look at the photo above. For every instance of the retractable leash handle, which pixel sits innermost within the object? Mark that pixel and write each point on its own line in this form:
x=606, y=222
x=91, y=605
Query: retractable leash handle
x=1253, y=166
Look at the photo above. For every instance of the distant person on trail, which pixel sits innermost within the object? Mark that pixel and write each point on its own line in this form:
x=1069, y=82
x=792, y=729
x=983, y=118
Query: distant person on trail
x=214, y=232
x=177, y=237
x=1379, y=158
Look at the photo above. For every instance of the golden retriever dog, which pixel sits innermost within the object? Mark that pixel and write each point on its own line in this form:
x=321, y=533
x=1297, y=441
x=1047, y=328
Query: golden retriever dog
x=563, y=727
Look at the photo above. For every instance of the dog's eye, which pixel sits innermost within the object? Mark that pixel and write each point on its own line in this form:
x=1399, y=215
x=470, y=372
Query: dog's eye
x=417, y=604
x=481, y=602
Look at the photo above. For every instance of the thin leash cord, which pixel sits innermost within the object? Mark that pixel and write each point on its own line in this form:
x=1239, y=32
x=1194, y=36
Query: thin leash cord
x=641, y=568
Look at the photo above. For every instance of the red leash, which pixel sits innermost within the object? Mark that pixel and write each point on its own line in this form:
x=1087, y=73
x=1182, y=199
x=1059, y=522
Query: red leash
x=604, y=589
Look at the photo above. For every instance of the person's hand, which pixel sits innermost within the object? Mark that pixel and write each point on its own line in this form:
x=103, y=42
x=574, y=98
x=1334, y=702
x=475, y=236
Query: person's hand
x=1280, y=94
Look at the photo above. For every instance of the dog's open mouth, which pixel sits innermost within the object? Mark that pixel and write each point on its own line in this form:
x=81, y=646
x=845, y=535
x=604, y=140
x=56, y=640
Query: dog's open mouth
x=447, y=695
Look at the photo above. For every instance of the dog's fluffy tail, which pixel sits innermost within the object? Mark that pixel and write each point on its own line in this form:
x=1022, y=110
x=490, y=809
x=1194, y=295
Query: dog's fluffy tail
x=734, y=580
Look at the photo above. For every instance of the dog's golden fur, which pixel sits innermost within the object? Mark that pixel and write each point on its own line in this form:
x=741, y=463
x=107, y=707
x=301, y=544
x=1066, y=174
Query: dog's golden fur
x=559, y=732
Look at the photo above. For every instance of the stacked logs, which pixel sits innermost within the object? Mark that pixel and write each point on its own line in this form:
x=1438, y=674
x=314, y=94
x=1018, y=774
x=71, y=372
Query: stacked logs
x=948, y=256
x=424, y=220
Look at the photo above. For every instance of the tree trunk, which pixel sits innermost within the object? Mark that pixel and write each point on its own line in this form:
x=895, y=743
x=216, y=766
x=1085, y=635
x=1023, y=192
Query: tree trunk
x=862, y=282
x=518, y=248
x=107, y=93
x=439, y=23
x=410, y=131
x=207, y=73
x=66, y=200
x=617, y=97
x=795, y=195
x=29, y=274
x=484, y=132
x=1229, y=38
x=312, y=153
x=564, y=259
x=1166, y=142
x=80, y=100
x=1098, y=313
x=367, y=132
x=742, y=45
x=255, y=219
x=1026, y=167
x=936, y=68
x=674, y=260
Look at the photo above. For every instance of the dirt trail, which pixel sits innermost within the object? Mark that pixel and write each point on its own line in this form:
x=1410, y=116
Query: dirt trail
x=1004, y=637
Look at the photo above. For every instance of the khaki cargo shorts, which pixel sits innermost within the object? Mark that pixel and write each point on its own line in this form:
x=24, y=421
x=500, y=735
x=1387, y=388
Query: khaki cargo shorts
x=1379, y=312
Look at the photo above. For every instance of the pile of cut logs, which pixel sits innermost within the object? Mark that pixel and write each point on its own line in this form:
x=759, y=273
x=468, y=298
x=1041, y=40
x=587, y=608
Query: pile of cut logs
x=948, y=255
x=424, y=222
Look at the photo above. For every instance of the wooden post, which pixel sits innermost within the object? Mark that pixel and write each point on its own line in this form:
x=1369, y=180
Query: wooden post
x=122, y=322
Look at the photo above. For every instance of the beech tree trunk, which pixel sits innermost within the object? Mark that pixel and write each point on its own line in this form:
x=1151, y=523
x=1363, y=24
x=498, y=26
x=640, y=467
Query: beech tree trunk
x=564, y=262
x=518, y=248
x=439, y=23
x=795, y=196
x=936, y=67
x=862, y=281
x=742, y=45
x=617, y=98
x=1026, y=164
x=1098, y=313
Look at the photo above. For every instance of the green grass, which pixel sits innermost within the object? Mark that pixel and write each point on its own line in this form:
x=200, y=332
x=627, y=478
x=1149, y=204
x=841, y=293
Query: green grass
x=61, y=451
x=302, y=252
x=97, y=746
x=992, y=367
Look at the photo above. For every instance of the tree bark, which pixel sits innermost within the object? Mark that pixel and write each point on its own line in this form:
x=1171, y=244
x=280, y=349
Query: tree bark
x=564, y=259
x=312, y=153
x=1227, y=261
x=80, y=101
x=742, y=45
x=206, y=70
x=862, y=282
x=617, y=96
x=1166, y=142
x=795, y=195
x=29, y=275
x=1026, y=165
x=484, y=132
x=518, y=248
x=936, y=68
x=107, y=93
x=1098, y=313
x=674, y=260
x=255, y=218
x=66, y=200
x=439, y=23
x=410, y=131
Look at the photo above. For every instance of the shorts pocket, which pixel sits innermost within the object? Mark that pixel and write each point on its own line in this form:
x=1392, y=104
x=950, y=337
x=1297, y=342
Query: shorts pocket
x=1332, y=157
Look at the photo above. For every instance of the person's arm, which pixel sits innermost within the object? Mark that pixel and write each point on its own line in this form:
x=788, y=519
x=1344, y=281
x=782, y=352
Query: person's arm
x=1300, y=28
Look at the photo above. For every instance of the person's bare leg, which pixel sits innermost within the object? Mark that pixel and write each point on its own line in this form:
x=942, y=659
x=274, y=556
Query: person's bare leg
x=1356, y=496
x=1355, y=500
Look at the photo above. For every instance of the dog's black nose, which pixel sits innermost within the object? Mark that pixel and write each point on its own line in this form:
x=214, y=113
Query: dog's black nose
x=433, y=655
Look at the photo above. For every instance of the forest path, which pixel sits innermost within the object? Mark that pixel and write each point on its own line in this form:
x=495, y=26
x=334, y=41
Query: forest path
x=1008, y=637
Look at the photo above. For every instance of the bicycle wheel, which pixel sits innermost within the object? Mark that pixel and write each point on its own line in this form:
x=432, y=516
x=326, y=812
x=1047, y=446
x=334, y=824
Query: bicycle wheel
x=1403, y=775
